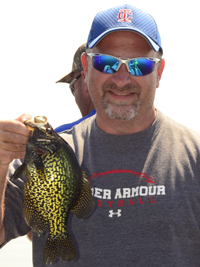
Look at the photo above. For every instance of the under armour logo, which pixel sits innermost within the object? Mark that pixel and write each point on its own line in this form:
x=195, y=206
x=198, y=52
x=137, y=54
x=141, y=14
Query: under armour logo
x=111, y=213
x=124, y=15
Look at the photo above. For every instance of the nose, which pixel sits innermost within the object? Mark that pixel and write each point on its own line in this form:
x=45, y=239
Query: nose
x=122, y=76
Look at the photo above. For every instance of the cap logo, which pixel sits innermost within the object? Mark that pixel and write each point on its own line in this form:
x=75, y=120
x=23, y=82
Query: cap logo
x=124, y=15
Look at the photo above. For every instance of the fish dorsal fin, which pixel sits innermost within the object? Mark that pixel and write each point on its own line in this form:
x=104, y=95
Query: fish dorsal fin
x=85, y=203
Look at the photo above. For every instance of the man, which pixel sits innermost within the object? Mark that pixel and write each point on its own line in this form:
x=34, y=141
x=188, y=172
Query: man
x=142, y=166
x=79, y=89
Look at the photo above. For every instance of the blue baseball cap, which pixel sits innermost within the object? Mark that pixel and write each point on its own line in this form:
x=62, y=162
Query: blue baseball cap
x=124, y=17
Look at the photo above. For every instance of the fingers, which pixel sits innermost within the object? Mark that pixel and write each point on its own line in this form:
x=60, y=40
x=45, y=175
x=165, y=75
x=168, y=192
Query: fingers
x=15, y=147
x=15, y=126
x=24, y=117
x=6, y=157
x=13, y=138
x=14, y=132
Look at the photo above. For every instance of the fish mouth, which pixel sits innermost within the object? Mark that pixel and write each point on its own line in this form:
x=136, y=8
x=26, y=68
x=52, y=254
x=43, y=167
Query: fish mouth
x=38, y=122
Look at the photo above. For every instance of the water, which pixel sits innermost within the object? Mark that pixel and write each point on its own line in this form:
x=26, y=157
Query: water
x=17, y=252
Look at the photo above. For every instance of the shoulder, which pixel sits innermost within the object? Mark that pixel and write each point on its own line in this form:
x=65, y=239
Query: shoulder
x=78, y=136
x=179, y=128
x=178, y=135
x=68, y=126
x=78, y=133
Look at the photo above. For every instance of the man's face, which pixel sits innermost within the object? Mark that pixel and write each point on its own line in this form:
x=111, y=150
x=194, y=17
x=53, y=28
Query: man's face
x=81, y=95
x=121, y=95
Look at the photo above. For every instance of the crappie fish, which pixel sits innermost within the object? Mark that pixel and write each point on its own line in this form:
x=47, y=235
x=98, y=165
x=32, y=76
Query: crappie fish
x=55, y=186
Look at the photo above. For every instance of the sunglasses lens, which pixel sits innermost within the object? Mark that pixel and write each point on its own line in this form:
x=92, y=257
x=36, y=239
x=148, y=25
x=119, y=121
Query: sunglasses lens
x=141, y=66
x=105, y=63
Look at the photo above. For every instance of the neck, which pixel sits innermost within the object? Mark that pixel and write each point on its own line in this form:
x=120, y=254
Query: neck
x=85, y=112
x=119, y=127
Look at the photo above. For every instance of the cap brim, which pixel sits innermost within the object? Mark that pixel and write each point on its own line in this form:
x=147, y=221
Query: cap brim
x=100, y=37
x=66, y=79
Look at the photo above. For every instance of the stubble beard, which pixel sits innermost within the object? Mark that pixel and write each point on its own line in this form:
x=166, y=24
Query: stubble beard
x=120, y=110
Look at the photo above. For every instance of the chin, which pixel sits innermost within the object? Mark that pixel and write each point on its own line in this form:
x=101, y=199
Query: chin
x=124, y=113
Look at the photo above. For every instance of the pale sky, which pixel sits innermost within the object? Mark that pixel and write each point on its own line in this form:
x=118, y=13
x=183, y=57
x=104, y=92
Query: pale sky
x=39, y=38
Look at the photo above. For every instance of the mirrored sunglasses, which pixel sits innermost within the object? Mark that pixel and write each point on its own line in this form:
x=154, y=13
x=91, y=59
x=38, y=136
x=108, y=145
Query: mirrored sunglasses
x=71, y=85
x=136, y=66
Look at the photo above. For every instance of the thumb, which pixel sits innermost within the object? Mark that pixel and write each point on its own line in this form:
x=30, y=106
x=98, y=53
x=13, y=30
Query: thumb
x=24, y=117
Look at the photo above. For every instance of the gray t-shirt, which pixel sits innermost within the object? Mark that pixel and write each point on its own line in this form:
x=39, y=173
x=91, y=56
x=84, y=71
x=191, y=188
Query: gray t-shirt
x=146, y=188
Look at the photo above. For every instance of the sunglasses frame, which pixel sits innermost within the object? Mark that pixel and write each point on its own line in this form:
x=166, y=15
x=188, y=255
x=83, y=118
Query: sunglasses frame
x=71, y=85
x=124, y=61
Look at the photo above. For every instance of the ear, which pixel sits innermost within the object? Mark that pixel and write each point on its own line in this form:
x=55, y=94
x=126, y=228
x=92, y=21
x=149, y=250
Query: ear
x=160, y=69
x=84, y=64
x=84, y=81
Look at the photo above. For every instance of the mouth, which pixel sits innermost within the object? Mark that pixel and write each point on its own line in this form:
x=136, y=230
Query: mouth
x=121, y=95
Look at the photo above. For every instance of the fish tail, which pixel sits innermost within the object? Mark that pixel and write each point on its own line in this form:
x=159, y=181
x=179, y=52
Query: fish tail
x=61, y=246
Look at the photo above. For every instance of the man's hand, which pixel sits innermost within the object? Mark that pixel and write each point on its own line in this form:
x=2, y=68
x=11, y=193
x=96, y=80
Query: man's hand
x=13, y=138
